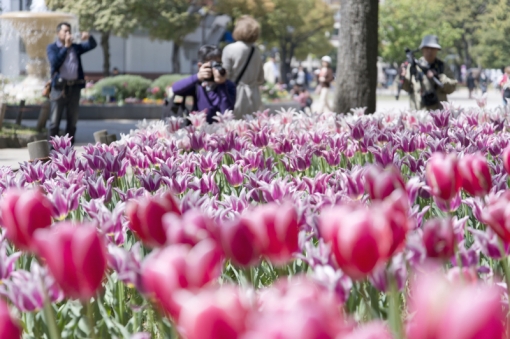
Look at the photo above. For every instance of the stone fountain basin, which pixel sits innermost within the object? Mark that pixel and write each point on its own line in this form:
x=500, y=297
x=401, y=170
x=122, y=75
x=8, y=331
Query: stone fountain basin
x=37, y=30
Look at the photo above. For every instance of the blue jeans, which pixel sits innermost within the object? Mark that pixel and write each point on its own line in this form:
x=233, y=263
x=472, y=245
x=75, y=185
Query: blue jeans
x=64, y=100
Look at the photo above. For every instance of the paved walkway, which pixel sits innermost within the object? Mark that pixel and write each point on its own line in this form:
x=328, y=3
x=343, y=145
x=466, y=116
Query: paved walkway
x=85, y=129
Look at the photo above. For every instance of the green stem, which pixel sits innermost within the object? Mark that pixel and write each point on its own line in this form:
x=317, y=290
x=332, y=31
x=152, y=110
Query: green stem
x=506, y=271
x=395, y=316
x=150, y=321
x=48, y=314
x=120, y=290
x=90, y=318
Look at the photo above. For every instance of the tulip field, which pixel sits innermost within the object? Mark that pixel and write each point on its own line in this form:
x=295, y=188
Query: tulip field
x=285, y=226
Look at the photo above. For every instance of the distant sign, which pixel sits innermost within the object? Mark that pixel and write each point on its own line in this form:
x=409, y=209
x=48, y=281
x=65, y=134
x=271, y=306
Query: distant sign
x=108, y=91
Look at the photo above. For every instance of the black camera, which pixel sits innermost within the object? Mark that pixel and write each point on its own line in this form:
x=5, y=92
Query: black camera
x=219, y=67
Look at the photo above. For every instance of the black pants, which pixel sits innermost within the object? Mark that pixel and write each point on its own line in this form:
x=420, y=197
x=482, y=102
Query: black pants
x=64, y=100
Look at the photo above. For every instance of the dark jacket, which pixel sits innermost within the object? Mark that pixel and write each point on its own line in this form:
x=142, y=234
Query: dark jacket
x=222, y=98
x=57, y=55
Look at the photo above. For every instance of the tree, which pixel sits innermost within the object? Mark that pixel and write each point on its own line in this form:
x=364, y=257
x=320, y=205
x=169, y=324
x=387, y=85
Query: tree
x=357, y=55
x=168, y=20
x=456, y=22
x=494, y=47
x=403, y=23
x=236, y=8
x=300, y=30
x=116, y=17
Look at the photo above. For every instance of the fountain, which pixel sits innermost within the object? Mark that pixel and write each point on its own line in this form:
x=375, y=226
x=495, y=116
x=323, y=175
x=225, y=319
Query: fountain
x=37, y=30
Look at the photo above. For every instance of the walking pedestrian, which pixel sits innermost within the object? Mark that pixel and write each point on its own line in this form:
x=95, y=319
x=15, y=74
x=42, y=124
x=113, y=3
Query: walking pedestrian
x=67, y=77
x=243, y=63
x=325, y=78
x=470, y=83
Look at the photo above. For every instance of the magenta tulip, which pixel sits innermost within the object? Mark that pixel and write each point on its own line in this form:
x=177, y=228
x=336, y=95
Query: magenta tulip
x=146, y=217
x=238, y=242
x=9, y=328
x=506, y=159
x=276, y=231
x=23, y=212
x=496, y=215
x=380, y=183
x=396, y=209
x=360, y=238
x=475, y=173
x=439, y=238
x=443, y=177
x=76, y=257
x=191, y=228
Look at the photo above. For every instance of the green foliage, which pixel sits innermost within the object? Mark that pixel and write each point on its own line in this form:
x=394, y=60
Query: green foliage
x=115, y=16
x=493, y=35
x=159, y=86
x=126, y=86
x=403, y=23
x=166, y=20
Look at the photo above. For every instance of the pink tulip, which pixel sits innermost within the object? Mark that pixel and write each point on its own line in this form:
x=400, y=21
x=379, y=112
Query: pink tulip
x=360, y=238
x=496, y=215
x=506, y=159
x=297, y=309
x=380, y=183
x=465, y=275
x=9, y=328
x=443, y=177
x=177, y=267
x=373, y=330
x=396, y=209
x=475, y=174
x=442, y=310
x=439, y=238
x=238, y=242
x=76, y=257
x=276, y=231
x=145, y=217
x=214, y=314
x=191, y=228
x=23, y=212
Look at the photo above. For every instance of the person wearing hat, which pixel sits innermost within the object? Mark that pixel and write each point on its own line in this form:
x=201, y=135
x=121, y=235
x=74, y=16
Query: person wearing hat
x=325, y=78
x=424, y=92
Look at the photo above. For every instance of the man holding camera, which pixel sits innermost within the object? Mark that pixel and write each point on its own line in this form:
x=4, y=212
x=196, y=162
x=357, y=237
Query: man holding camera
x=210, y=89
x=67, y=78
x=427, y=80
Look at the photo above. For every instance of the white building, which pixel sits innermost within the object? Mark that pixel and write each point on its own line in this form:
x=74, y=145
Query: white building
x=136, y=54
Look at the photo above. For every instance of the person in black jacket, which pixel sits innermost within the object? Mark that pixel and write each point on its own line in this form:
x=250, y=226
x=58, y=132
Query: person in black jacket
x=67, y=78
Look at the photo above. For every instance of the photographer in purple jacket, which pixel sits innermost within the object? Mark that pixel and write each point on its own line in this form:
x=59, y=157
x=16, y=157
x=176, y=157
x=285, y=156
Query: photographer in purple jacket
x=210, y=89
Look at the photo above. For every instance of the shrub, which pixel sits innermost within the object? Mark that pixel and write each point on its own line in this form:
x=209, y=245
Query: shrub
x=127, y=86
x=159, y=86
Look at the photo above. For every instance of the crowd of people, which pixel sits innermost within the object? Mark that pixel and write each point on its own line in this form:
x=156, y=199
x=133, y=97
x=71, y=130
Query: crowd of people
x=230, y=79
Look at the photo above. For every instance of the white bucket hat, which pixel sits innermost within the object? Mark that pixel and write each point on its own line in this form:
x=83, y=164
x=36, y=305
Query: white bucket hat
x=327, y=59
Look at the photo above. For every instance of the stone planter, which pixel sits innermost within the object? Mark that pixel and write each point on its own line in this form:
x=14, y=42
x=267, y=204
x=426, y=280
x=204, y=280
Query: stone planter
x=20, y=140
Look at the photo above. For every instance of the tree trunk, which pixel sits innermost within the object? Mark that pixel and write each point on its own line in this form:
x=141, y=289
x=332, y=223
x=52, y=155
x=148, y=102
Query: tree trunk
x=105, y=45
x=176, y=60
x=357, y=56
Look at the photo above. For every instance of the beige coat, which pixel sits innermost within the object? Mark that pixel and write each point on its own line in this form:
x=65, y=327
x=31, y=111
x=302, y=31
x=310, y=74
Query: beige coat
x=416, y=87
x=248, y=99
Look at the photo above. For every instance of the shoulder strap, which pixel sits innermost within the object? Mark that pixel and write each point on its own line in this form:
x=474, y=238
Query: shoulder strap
x=245, y=66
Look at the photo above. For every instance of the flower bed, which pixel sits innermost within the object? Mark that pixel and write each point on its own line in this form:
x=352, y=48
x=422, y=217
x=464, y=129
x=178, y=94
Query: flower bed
x=283, y=226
